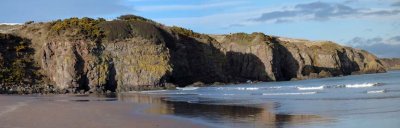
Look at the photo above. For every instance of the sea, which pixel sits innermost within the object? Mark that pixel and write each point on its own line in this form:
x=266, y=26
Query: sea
x=369, y=100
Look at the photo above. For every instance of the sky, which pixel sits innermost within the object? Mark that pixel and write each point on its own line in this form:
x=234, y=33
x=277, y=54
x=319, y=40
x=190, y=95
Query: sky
x=372, y=25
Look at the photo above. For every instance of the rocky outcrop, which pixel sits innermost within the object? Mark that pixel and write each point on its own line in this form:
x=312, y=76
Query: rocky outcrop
x=288, y=59
x=391, y=63
x=136, y=54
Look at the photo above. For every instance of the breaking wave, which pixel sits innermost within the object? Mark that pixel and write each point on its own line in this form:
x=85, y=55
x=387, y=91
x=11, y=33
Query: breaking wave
x=311, y=88
x=377, y=91
x=187, y=88
x=364, y=85
x=248, y=88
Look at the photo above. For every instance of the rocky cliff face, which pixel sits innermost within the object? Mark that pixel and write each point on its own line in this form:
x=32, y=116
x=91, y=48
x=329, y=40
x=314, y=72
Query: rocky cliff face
x=391, y=63
x=135, y=54
x=288, y=59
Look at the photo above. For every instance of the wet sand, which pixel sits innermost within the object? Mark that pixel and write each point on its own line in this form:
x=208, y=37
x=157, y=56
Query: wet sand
x=136, y=110
x=89, y=112
x=223, y=115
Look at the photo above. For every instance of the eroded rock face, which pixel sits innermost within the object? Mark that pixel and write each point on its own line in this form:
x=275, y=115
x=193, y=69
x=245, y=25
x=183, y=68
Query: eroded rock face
x=80, y=65
x=142, y=60
x=87, y=65
x=391, y=63
x=138, y=62
x=288, y=59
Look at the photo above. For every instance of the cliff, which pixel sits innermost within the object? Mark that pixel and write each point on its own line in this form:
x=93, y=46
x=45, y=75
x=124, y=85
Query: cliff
x=391, y=63
x=134, y=53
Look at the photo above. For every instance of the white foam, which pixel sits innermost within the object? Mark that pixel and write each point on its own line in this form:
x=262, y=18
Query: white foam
x=275, y=87
x=295, y=93
x=187, y=88
x=311, y=88
x=377, y=91
x=364, y=85
x=253, y=88
x=248, y=88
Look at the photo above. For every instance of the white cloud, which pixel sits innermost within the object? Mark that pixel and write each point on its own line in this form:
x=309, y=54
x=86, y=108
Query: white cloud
x=359, y=41
x=247, y=16
x=323, y=11
x=382, y=47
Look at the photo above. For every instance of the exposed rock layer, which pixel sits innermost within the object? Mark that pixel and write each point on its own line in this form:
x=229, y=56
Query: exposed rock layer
x=145, y=55
x=391, y=63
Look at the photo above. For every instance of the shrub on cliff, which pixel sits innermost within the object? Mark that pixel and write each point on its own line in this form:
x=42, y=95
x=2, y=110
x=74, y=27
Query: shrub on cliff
x=16, y=64
x=185, y=32
x=244, y=38
x=189, y=33
x=130, y=17
x=29, y=22
x=75, y=28
x=116, y=30
x=123, y=29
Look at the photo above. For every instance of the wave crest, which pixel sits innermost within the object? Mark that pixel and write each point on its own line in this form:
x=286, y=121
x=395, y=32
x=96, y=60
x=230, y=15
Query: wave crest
x=187, y=88
x=248, y=88
x=377, y=91
x=364, y=85
x=311, y=88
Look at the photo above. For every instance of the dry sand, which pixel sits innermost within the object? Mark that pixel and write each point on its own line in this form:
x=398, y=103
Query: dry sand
x=76, y=112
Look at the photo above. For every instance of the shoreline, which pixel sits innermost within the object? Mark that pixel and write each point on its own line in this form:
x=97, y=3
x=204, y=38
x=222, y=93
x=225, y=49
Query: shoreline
x=32, y=90
x=189, y=108
x=69, y=111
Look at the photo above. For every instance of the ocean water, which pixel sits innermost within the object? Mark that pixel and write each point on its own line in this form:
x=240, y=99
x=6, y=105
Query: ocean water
x=370, y=100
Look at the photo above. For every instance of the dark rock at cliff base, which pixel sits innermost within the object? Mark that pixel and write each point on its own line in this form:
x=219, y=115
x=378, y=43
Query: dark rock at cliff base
x=94, y=55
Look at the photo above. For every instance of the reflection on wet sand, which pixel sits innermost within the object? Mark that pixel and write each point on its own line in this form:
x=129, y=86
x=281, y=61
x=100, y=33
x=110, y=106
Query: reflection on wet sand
x=255, y=115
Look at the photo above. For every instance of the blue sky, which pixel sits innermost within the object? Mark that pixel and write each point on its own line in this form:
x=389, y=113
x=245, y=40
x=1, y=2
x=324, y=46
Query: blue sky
x=369, y=24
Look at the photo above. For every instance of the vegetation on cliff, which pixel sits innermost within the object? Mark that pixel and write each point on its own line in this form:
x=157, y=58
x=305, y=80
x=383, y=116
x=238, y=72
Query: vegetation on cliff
x=118, y=30
x=246, y=39
x=189, y=33
x=76, y=28
x=17, y=66
x=130, y=17
x=185, y=32
x=124, y=27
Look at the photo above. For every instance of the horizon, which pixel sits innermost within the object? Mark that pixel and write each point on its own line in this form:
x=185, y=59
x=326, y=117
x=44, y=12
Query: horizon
x=371, y=25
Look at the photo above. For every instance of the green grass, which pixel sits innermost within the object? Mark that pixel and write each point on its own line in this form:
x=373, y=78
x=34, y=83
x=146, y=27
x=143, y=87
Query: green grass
x=244, y=38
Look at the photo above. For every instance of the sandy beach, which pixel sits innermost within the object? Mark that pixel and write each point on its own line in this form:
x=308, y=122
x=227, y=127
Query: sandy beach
x=72, y=112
